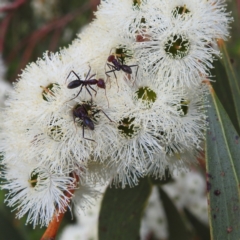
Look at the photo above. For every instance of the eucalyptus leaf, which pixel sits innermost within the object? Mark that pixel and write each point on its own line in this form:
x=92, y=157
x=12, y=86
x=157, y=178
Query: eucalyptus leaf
x=176, y=225
x=223, y=173
x=223, y=90
x=201, y=229
x=121, y=211
x=232, y=80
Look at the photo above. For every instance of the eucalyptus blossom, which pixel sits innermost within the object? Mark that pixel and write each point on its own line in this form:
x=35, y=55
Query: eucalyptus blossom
x=125, y=100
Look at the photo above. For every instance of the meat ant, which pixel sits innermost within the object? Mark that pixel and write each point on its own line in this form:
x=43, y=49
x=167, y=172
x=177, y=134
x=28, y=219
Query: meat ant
x=81, y=112
x=86, y=83
x=117, y=65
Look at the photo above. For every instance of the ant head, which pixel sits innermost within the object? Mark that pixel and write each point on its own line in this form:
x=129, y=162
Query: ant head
x=101, y=83
x=111, y=58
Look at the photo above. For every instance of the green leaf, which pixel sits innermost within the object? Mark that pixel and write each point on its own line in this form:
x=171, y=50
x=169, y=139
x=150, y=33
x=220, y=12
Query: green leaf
x=176, y=225
x=223, y=90
x=121, y=211
x=200, y=228
x=232, y=79
x=223, y=173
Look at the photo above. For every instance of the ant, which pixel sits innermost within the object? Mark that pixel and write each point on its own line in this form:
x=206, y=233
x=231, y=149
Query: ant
x=81, y=112
x=118, y=66
x=86, y=83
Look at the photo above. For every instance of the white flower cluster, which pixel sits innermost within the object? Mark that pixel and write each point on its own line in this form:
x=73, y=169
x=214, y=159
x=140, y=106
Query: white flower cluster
x=125, y=100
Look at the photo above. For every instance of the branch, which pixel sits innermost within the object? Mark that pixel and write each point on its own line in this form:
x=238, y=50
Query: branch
x=52, y=229
x=37, y=36
x=12, y=6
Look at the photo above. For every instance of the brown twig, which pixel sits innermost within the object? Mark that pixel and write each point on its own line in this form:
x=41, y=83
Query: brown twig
x=55, y=39
x=94, y=4
x=202, y=160
x=12, y=6
x=52, y=229
x=238, y=7
x=36, y=37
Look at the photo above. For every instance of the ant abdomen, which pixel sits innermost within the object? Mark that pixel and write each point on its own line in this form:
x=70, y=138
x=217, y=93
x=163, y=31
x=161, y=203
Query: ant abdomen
x=74, y=84
x=126, y=69
x=88, y=122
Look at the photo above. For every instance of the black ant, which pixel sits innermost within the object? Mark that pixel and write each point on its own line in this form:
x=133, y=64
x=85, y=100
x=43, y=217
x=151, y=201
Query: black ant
x=118, y=66
x=86, y=83
x=81, y=112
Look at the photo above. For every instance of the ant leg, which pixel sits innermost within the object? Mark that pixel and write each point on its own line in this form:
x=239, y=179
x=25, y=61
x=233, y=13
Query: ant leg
x=77, y=94
x=90, y=77
x=74, y=74
x=108, y=63
x=106, y=72
x=136, y=72
x=83, y=135
x=83, y=131
x=88, y=73
x=106, y=115
x=116, y=79
x=93, y=90
x=75, y=124
x=106, y=97
x=88, y=91
x=68, y=76
x=108, y=77
x=79, y=91
x=113, y=69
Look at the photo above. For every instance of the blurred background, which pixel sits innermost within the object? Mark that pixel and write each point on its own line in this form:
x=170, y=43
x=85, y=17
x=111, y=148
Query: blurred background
x=28, y=28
